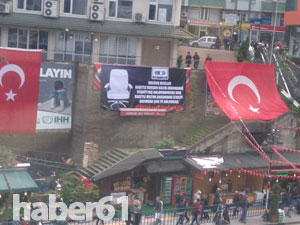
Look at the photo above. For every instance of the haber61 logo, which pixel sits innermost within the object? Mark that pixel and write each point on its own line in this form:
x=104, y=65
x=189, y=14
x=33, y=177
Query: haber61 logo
x=77, y=211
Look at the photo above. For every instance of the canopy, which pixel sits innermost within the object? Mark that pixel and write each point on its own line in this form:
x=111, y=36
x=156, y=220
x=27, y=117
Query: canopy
x=19, y=180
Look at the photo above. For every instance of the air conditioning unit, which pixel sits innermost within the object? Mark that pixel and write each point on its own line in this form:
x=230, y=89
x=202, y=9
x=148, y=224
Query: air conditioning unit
x=51, y=8
x=97, y=12
x=139, y=18
x=4, y=7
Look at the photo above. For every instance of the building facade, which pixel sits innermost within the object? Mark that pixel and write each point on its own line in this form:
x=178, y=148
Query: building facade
x=234, y=18
x=292, y=21
x=137, y=32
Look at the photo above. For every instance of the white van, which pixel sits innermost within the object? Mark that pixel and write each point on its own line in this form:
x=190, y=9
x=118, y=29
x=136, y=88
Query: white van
x=204, y=42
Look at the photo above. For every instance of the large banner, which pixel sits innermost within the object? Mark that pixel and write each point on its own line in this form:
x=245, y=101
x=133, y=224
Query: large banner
x=142, y=87
x=55, y=96
x=19, y=88
x=245, y=90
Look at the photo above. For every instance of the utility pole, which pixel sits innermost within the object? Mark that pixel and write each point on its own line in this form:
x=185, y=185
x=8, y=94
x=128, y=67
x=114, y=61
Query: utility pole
x=274, y=29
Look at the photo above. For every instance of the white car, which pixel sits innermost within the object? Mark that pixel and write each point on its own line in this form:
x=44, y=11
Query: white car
x=204, y=42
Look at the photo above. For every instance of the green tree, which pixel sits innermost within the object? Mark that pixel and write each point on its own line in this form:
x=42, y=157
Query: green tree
x=244, y=49
x=77, y=192
x=6, y=161
x=165, y=143
x=275, y=197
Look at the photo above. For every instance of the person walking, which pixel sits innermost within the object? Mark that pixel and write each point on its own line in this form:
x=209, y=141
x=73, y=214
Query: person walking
x=180, y=212
x=129, y=221
x=137, y=206
x=204, y=213
x=208, y=58
x=188, y=59
x=236, y=202
x=244, y=208
x=196, y=60
x=186, y=206
x=158, y=210
x=196, y=210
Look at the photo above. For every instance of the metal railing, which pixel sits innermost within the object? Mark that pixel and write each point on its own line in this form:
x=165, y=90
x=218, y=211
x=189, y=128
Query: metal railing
x=168, y=216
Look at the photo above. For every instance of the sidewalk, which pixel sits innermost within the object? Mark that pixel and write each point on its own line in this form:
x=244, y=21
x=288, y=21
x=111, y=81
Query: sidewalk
x=257, y=220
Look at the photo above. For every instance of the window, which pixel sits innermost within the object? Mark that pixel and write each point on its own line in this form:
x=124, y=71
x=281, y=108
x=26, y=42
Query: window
x=291, y=5
x=281, y=20
x=266, y=18
x=120, y=50
x=28, y=39
x=77, y=7
x=120, y=9
x=73, y=47
x=34, y=5
x=204, y=14
x=160, y=10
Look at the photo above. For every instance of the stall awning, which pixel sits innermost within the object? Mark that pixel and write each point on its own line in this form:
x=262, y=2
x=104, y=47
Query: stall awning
x=164, y=166
x=248, y=160
x=19, y=181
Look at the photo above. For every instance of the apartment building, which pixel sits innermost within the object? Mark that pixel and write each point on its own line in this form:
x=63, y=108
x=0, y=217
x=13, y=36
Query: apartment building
x=141, y=32
x=234, y=18
x=292, y=22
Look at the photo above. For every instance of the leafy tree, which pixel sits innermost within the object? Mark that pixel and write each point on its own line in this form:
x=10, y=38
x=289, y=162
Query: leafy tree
x=77, y=192
x=6, y=161
x=275, y=197
x=179, y=61
x=165, y=143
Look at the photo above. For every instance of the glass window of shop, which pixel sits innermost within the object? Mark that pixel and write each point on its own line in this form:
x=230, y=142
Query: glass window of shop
x=120, y=50
x=28, y=39
x=73, y=47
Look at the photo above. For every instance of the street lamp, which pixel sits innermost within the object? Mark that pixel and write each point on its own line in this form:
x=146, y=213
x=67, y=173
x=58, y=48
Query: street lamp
x=274, y=29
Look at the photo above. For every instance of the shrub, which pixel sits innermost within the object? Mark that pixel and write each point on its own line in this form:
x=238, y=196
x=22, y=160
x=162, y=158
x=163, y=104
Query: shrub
x=165, y=143
x=244, y=49
x=275, y=197
x=179, y=61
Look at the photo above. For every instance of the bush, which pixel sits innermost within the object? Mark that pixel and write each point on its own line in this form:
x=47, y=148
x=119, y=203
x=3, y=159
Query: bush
x=179, y=61
x=244, y=50
x=275, y=197
x=165, y=143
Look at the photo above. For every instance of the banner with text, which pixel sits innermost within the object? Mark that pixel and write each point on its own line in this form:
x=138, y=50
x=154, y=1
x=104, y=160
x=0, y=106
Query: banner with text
x=142, y=87
x=55, y=96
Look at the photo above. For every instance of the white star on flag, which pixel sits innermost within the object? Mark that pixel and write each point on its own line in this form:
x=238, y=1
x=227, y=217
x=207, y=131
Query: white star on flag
x=10, y=96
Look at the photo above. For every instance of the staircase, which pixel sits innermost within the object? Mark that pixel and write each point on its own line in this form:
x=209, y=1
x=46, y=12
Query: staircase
x=200, y=130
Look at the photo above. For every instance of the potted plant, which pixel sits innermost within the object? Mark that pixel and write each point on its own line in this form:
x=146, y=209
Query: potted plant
x=275, y=197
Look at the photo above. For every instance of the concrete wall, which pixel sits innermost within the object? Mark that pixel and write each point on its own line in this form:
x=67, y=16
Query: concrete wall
x=109, y=130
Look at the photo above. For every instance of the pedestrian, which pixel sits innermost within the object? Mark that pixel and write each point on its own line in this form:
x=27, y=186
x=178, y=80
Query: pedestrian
x=129, y=221
x=217, y=199
x=236, y=202
x=244, y=208
x=196, y=60
x=158, y=210
x=188, y=59
x=180, y=212
x=186, y=207
x=137, y=206
x=196, y=210
x=208, y=58
x=204, y=213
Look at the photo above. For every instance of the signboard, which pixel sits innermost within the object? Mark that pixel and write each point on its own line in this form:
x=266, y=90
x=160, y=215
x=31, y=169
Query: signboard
x=203, y=23
x=162, y=15
x=173, y=153
x=55, y=96
x=266, y=28
x=231, y=19
x=126, y=86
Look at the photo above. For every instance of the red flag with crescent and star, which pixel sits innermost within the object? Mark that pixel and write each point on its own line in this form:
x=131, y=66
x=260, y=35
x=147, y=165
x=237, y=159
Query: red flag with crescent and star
x=19, y=89
x=245, y=90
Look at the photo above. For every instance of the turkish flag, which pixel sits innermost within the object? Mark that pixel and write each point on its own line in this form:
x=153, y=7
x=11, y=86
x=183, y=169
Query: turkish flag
x=245, y=90
x=19, y=89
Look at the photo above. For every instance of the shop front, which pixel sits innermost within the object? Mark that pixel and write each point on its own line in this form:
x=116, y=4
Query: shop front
x=204, y=28
x=264, y=33
x=238, y=32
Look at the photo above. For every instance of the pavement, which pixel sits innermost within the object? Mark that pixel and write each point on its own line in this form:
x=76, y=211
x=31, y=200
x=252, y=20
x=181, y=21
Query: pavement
x=216, y=54
x=257, y=220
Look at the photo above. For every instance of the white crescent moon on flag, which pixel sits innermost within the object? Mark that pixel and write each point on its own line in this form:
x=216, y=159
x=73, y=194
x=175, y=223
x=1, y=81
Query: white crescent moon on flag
x=240, y=79
x=12, y=68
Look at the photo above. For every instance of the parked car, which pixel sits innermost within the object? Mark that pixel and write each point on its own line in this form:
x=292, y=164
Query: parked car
x=204, y=42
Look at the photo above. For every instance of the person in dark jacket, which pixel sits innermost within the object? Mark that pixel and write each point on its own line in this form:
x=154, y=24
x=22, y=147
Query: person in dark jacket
x=217, y=199
x=236, y=202
x=204, y=214
x=158, y=209
x=208, y=58
x=129, y=221
x=244, y=208
x=180, y=212
x=196, y=60
x=196, y=210
x=188, y=59
x=186, y=206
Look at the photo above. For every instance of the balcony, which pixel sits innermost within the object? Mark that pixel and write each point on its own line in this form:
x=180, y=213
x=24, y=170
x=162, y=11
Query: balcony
x=271, y=7
x=219, y=4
